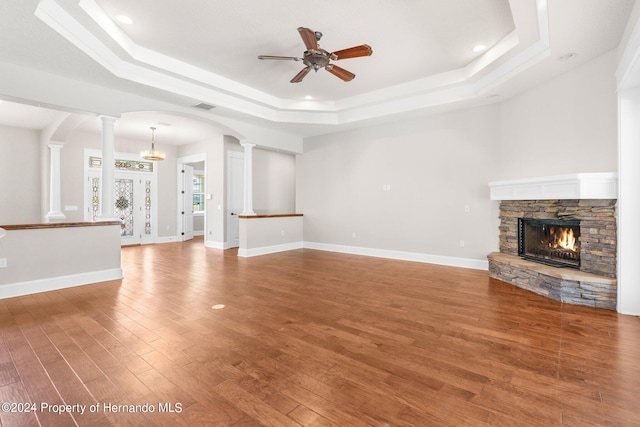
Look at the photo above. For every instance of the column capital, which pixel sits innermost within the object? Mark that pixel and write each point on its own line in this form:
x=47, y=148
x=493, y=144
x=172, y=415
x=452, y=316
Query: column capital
x=107, y=119
x=247, y=144
x=54, y=145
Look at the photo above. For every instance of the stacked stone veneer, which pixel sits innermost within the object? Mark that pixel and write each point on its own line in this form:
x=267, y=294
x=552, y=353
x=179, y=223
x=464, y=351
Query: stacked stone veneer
x=598, y=231
x=598, y=248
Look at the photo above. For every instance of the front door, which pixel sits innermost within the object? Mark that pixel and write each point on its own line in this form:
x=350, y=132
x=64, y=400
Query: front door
x=134, y=201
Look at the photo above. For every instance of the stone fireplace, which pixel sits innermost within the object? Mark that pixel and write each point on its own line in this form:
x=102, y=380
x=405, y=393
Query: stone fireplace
x=558, y=237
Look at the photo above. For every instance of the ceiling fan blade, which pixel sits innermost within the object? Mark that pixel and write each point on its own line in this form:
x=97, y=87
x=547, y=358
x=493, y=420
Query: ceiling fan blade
x=353, y=52
x=309, y=38
x=298, y=78
x=345, y=75
x=282, y=58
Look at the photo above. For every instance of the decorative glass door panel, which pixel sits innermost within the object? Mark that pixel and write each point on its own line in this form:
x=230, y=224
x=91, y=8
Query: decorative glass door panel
x=134, y=196
x=147, y=208
x=124, y=206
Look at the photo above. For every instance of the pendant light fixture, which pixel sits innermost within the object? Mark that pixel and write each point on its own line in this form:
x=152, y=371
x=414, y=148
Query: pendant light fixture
x=152, y=154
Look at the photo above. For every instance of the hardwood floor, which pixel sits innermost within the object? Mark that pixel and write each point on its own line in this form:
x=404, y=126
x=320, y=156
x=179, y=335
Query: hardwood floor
x=311, y=338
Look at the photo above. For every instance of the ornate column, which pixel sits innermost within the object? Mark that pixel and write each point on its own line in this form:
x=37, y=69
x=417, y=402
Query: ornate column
x=55, y=212
x=248, y=178
x=107, y=194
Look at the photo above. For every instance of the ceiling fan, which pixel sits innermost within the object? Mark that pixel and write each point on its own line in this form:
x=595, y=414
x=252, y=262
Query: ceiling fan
x=315, y=57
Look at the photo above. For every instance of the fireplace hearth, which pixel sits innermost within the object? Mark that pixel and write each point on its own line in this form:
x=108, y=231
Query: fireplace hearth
x=552, y=242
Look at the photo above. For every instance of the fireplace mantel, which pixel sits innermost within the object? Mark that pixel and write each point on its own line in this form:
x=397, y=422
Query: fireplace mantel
x=603, y=185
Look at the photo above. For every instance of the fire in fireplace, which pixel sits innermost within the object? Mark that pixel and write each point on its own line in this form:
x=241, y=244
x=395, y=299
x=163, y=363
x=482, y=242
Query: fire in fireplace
x=554, y=242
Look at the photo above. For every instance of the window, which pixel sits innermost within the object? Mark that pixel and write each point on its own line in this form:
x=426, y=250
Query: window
x=198, y=192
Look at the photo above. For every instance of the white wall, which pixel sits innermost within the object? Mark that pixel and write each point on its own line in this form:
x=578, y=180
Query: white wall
x=274, y=177
x=198, y=225
x=52, y=258
x=438, y=165
x=259, y=236
x=629, y=203
x=566, y=125
x=434, y=166
x=19, y=176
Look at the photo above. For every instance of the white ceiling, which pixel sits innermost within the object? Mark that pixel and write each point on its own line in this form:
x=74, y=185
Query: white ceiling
x=410, y=39
x=206, y=51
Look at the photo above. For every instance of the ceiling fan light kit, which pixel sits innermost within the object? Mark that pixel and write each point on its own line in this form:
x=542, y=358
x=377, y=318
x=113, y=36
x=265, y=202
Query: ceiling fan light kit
x=316, y=58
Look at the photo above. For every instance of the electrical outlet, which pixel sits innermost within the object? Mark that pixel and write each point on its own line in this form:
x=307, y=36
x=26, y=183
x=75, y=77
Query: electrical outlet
x=353, y=234
x=467, y=208
x=462, y=243
x=282, y=232
x=3, y=263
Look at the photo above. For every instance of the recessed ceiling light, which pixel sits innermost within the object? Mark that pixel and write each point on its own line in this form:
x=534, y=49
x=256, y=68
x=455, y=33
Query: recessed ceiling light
x=125, y=19
x=567, y=56
x=479, y=48
x=308, y=97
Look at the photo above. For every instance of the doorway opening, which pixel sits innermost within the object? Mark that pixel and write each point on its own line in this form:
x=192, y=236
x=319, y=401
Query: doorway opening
x=192, y=197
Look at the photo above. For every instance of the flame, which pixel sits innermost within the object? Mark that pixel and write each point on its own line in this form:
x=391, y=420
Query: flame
x=564, y=239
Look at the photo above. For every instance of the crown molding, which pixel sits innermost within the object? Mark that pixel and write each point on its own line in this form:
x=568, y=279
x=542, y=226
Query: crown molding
x=153, y=69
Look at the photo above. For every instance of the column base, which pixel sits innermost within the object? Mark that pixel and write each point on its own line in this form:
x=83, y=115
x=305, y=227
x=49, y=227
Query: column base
x=55, y=216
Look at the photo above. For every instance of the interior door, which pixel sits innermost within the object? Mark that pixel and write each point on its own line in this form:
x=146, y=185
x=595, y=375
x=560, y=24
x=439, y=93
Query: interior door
x=235, y=196
x=187, y=202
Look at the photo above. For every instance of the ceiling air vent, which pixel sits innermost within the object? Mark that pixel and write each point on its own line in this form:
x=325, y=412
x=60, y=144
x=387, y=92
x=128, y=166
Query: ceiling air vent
x=204, y=106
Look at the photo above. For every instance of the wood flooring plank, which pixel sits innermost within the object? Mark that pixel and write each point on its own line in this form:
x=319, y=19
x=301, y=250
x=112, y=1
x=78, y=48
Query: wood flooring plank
x=201, y=391
x=17, y=410
x=314, y=338
x=308, y=418
x=329, y=410
x=165, y=390
x=8, y=374
x=252, y=405
x=34, y=378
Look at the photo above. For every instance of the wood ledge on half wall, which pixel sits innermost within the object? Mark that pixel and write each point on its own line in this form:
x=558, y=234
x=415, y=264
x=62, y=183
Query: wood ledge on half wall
x=58, y=225
x=269, y=216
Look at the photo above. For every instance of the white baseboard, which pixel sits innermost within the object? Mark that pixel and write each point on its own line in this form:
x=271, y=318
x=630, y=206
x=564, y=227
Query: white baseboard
x=207, y=243
x=214, y=245
x=475, y=264
x=51, y=284
x=167, y=239
x=269, y=249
